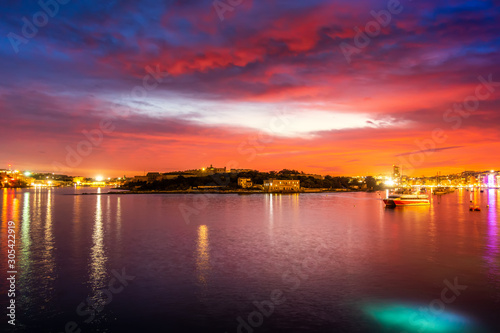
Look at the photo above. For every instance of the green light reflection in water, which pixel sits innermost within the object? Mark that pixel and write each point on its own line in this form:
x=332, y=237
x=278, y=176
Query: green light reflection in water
x=413, y=318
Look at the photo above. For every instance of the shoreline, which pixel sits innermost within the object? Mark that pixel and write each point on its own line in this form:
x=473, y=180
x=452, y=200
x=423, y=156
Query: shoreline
x=222, y=192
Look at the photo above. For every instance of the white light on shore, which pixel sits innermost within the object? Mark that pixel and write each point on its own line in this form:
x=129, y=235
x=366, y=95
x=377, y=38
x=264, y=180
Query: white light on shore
x=99, y=178
x=390, y=182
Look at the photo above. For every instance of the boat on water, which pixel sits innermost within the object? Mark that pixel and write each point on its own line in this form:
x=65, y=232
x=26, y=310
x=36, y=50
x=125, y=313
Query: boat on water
x=404, y=199
x=443, y=190
x=440, y=191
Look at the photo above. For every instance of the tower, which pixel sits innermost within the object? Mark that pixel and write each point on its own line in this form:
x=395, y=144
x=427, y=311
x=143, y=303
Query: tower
x=396, y=174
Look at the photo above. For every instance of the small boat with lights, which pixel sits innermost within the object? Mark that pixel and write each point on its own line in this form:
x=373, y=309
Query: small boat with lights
x=440, y=190
x=416, y=199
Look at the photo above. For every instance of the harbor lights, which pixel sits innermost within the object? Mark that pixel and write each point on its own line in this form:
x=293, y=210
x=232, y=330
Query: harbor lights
x=491, y=180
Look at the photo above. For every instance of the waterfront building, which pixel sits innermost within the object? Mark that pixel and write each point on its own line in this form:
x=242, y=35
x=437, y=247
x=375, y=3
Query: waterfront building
x=281, y=185
x=245, y=182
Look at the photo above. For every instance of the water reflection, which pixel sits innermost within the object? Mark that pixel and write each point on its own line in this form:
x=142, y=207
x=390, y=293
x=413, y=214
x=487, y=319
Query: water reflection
x=408, y=318
x=10, y=210
x=432, y=228
x=492, y=243
x=108, y=210
x=10, y=207
x=492, y=205
x=77, y=224
x=5, y=204
x=37, y=211
x=48, y=236
x=203, y=256
x=119, y=221
x=461, y=203
x=271, y=216
x=15, y=208
x=295, y=198
x=97, y=254
x=48, y=268
x=25, y=261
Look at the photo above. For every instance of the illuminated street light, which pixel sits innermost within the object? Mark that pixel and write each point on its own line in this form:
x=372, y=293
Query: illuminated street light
x=99, y=178
x=27, y=173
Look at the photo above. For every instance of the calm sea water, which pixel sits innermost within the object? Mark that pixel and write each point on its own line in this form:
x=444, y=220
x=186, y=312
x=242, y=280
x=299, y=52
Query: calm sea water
x=250, y=263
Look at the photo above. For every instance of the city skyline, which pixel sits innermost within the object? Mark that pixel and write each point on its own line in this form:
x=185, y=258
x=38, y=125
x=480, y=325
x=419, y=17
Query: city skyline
x=123, y=88
x=395, y=172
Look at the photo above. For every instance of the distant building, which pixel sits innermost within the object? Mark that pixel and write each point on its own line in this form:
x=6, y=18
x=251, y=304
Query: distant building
x=207, y=171
x=491, y=179
x=241, y=170
x=153, y=176
x=140, y=179
x=281, y=185
x=245, y=182
x=211, y=170
x=396, y=173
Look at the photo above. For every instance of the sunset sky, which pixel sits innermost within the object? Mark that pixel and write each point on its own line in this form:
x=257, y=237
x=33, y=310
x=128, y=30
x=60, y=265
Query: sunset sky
x=174, y=85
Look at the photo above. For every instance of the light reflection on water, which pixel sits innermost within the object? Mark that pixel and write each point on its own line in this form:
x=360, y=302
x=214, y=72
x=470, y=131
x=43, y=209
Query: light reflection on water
x=270, y=216
x=25, y=233
x=48, y=267
x=492, y=255
x=98, y=273
x=119, y=221
x=203, y=256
